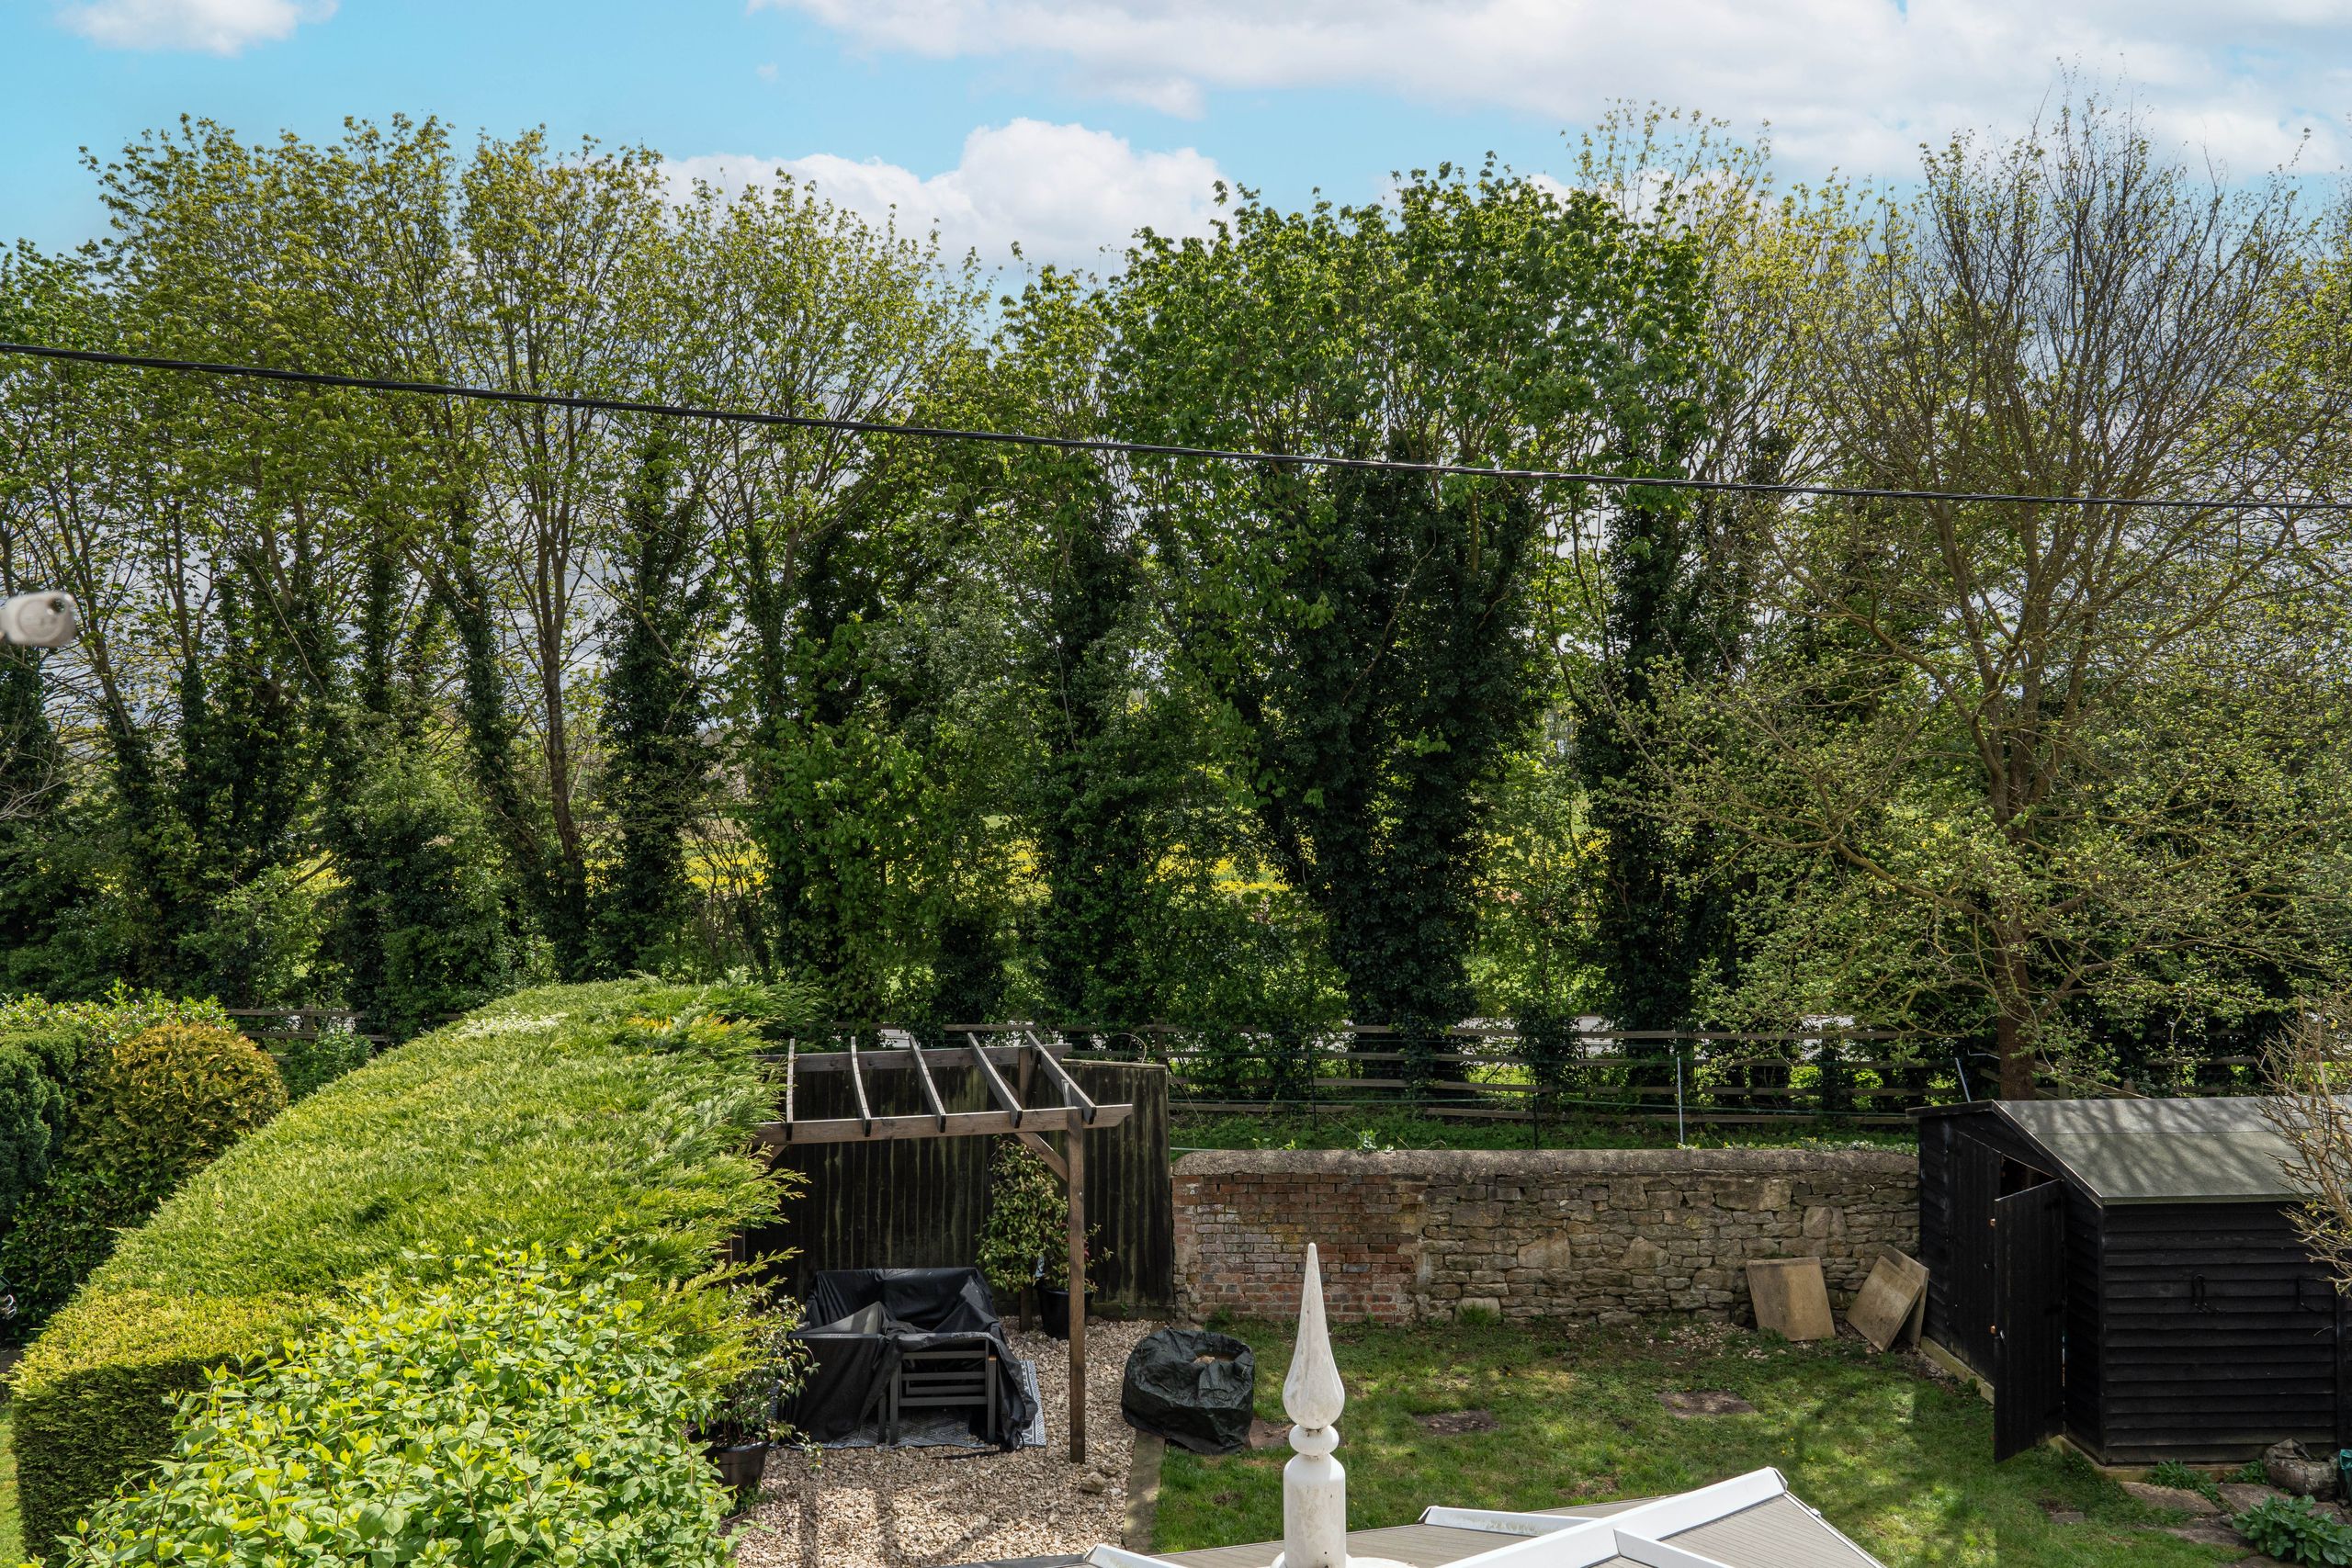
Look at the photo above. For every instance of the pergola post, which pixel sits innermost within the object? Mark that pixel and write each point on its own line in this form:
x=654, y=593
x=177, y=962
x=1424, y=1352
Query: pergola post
x=1074, y=1156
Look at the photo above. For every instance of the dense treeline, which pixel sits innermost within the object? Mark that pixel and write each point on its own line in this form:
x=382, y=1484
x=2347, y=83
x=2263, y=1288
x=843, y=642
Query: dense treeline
x=397, y=701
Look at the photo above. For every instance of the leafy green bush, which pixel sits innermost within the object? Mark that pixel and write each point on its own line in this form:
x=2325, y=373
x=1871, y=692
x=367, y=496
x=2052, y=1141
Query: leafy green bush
x=43, y=1046
x=2292, y=1530
x=516, y=1414
x=116, y=1017
x=36, y=1068
x=421, y=917
x=61, y=1235
x=1027, y=1223
x=149, y=1111
x=161, y=1105
x=538, y=1121
x=310, y=1065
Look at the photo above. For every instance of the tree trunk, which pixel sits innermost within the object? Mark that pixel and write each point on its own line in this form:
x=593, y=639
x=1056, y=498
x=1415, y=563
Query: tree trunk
x=2016, y=1052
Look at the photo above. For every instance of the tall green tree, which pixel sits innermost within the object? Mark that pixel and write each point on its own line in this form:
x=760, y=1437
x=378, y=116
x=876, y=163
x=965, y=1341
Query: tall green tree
x=657, y=766
x=1369, y=632
x=1108, y=765
x=2062, y=749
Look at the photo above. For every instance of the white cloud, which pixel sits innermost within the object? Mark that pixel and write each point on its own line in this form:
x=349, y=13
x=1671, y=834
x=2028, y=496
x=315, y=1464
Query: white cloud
x=215, y=27
x=1063, y=192
x=1858, y=83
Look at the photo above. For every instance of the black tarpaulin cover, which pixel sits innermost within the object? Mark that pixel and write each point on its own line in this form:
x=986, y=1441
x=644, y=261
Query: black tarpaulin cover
x=1191, y=1387
x=863, y=1320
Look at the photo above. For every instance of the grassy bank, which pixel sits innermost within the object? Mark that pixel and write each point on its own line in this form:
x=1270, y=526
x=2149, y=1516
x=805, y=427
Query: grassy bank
x=1404, y=1130
x=12, y=1543
x=1901, y=1462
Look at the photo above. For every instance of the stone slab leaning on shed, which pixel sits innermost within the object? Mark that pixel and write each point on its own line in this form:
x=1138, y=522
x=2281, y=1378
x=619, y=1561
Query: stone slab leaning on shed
x=1591, y=1236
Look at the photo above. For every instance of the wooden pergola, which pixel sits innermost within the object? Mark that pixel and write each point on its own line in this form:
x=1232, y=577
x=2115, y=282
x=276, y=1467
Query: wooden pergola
x=1031, y=1059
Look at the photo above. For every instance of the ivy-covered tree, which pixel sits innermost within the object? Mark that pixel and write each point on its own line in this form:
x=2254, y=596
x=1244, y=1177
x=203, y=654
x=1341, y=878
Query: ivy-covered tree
x=1369, y=632
x=657, y=767
x=1108, y=762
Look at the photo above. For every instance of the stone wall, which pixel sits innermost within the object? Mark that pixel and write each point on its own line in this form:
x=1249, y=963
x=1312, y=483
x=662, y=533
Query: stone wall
x=1595, y=1235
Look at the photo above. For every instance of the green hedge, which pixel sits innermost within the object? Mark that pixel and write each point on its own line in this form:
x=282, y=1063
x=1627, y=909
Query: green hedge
x=43, y=1046
x=544, y=1120
x=60, y=1204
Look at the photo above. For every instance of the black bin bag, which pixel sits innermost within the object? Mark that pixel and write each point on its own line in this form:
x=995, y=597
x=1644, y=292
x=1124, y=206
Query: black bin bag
x=1192, y=1388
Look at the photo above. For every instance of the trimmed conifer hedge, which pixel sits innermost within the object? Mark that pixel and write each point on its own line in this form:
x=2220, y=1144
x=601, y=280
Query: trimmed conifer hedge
x=557, y=1117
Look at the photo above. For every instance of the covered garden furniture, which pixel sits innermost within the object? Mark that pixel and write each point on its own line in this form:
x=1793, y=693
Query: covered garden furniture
x=888, y=1340
x=1193, y=1387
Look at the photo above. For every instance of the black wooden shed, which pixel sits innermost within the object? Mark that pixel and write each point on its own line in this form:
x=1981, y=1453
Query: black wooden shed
x=2127, y=1271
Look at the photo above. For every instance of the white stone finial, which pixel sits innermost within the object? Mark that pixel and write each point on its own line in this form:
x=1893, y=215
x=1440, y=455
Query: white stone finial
x=1312, y=1395
x=1315, y=1485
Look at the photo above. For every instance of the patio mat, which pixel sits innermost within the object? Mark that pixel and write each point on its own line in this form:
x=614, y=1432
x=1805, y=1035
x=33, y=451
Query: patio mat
x=948, y=1429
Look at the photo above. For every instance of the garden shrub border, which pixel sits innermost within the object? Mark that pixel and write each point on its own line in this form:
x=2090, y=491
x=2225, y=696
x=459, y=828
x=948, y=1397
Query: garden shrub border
x=523, y=1408
x=545, y=1119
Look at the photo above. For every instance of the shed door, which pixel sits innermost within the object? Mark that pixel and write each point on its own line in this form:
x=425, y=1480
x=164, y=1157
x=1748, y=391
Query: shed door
x=2029, y=1317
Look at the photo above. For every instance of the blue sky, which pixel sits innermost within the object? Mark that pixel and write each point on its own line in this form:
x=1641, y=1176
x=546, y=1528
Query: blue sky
x=1065, y=123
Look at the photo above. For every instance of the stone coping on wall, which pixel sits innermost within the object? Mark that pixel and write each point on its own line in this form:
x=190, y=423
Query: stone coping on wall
x=1606, y=1236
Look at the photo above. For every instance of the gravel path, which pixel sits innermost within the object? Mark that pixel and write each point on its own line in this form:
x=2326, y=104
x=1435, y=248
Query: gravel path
x=919, y=1508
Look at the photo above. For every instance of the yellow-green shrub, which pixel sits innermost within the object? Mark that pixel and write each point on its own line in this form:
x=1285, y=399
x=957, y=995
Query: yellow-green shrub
x=163, y=1104
x=517, y=1413
x=135, y=1107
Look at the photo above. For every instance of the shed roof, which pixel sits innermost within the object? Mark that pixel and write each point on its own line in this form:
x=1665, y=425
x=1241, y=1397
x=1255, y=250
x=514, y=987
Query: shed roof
x=2161, y=1151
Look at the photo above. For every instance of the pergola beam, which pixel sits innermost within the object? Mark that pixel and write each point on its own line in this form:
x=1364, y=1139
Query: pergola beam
x=1046, y=1152
x=959, y=1124
x=934, y=1056
x=1071, y=1094
x=857, y=1082
x=1004, y=1096
x=930, y=1089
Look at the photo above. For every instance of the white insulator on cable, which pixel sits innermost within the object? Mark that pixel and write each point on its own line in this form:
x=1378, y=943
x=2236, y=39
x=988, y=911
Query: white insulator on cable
x=39, y=620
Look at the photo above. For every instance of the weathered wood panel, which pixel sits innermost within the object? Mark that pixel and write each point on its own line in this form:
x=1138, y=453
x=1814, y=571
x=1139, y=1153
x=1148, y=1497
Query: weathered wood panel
x=920, y=1202
x=2219, y=1334
x=1967, y=1158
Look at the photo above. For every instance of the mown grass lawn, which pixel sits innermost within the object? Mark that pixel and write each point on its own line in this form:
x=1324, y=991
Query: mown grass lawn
x=1898, y=1461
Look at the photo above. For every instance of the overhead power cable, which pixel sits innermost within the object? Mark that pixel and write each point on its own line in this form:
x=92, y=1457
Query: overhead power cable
x=1136, y=448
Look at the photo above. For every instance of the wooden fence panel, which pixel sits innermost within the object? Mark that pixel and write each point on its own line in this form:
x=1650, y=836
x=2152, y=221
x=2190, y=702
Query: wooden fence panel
x=1130, y=1191
x=920, y=1202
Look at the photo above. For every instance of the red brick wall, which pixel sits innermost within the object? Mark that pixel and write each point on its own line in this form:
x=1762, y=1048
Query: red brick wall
x=1240, y=1235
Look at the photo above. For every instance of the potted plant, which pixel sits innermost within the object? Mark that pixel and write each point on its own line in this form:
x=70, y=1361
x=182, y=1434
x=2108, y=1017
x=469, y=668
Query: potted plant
x=1028, y=1218
x=1053, y=1282
x=745, y=1420
x=737, y=1430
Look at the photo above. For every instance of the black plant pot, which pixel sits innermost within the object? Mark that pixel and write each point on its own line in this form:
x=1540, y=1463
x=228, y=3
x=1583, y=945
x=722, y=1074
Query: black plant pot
x=743, y=1466
x=1053, y=1309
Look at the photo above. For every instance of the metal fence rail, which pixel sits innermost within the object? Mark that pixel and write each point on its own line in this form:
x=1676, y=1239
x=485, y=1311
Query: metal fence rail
x=1490, y=1071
